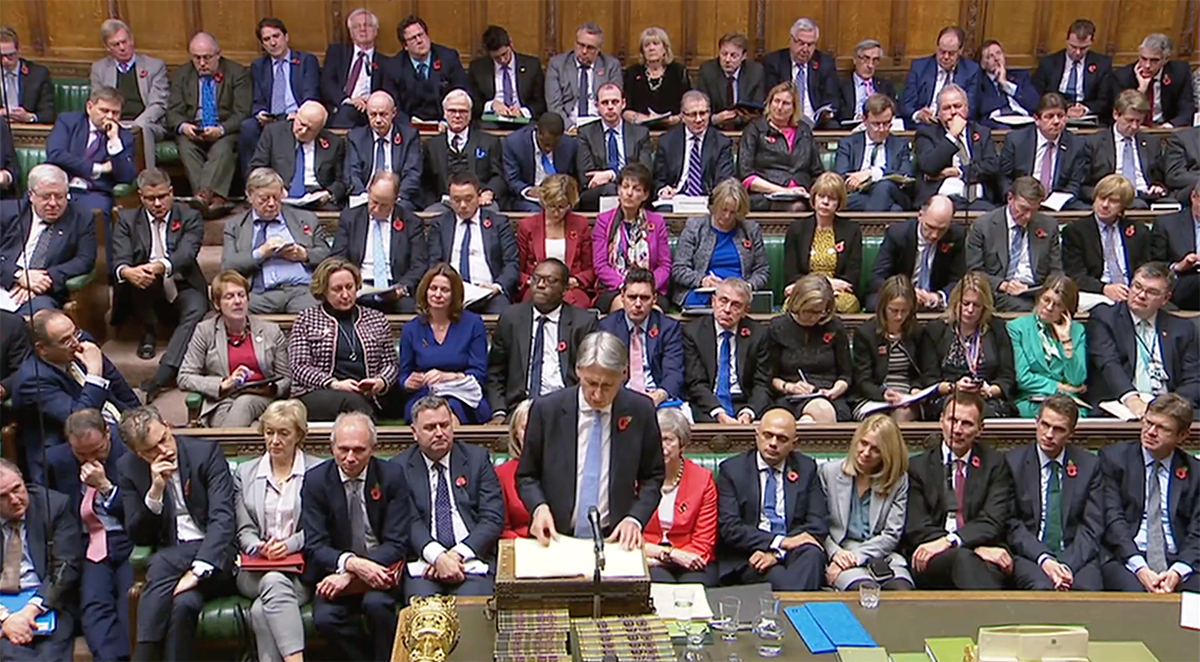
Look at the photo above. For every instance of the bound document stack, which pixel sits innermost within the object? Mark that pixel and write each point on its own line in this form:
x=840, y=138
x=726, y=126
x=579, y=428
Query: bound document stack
x=540, y=635
x=574, y=557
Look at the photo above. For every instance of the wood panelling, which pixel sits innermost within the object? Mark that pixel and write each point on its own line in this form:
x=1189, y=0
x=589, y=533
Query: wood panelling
x=65, y=33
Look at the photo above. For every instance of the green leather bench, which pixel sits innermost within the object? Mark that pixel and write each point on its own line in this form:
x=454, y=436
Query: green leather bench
x=71, y=94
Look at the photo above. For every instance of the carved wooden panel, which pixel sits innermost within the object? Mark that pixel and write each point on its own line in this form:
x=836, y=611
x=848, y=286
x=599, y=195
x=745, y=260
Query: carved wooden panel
x=1139, y=18
x=925, y=20
x=666, y=14
x=866, y=19
x=310, y=24
x=525, y=21
x=1014, y=24
x=781, y=14
x=161, y=28
x=569, y=14
x=19, y=15
x=73, y=28
x=715, y=19
x=232, y=22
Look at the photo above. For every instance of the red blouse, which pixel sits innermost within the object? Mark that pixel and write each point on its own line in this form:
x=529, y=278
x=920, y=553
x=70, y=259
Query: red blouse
x=516, y=518
x=243, y=354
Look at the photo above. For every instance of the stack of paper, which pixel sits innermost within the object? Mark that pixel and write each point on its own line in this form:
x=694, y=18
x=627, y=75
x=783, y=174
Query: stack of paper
x=573, y=557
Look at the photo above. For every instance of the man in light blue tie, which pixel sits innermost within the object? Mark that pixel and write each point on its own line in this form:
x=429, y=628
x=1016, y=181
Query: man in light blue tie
x=596, y=445
x=772, y=515
x=532, y=154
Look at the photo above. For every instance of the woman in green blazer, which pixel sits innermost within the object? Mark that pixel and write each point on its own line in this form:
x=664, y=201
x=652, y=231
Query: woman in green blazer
x=1049, y=347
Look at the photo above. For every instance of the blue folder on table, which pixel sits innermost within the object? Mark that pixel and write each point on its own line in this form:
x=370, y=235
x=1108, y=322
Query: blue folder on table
x=14, y=602
x=826, y=626
x=812, y=634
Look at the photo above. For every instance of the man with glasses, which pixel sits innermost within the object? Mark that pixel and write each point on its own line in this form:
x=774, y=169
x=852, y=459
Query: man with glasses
x=27, y=93
x=875, y=163
x=427, y=71
x=1152, y=543
x=814, y=73
x=210, y=96
x=694, y=156
x=726, y=361
x=1077, y=72
x=462, y=146
x=573, y=78
x=1137, y=351
x=862, y=83
x=607, y=146
x=154, y=250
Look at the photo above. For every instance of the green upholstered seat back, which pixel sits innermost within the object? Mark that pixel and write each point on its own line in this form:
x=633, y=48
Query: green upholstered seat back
x=71, y=94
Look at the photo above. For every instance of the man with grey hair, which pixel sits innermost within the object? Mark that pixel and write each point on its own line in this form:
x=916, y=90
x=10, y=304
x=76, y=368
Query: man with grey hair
x=726, y=363
x=142, y=80
x=45, y=243
x=573, y=78
x=462, y=146
x=862, y=82
x=957, y=155
x=814, y=73
x=1166, y=83
x=387, y=142
x=595, y=446
x=274, y=247
x=210, y=96
x=356, y=523
x=353, y=71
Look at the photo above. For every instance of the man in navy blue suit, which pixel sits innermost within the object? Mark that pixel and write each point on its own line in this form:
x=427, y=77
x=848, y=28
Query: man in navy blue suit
x=385, y=144
x=426, y=71
x=1003, y=91
x=676, y=148
x=458, y=508
x=65, y=373
x=771, y=512
x=655, y=341
x=930, y=249
x=1047, y=151
x=814, y=73
x=1077, y=72
x=928, y=75
x=46, y=243
x=94, y=151
x=85, y=470
x=865, y=158
x=478, y=242
x=956, y=156
x=10, y=171
x=356, y=518
x=534, y=152
x=282, y=80
x=1177, y=242
x=353, y=71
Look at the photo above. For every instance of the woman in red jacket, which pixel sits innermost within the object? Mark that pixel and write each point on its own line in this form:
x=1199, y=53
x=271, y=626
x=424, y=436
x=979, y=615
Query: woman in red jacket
x=681, y=538
x=516, y=517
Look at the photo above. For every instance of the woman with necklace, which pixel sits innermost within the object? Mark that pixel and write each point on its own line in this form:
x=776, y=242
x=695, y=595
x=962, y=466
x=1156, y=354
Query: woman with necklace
x=681, y=536
x=1049, y=347
x=888, y=364
x=655, y=86
x=232, y=349
x=629, y=236
x=826, y=244
x=777, y=153
x=342, y=354
x=974, y=346
x=560, y=233
x=443, y=350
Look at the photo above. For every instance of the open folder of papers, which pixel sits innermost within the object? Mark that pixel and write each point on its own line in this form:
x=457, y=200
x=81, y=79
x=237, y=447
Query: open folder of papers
x=574, y=557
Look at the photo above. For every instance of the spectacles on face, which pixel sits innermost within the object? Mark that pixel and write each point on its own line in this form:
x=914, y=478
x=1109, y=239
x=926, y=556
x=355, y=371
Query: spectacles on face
x=1138, y=287
x=542, y=279
x=695, y=114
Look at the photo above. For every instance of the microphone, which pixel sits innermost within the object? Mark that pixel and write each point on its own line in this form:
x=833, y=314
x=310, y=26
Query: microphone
x=593, y=516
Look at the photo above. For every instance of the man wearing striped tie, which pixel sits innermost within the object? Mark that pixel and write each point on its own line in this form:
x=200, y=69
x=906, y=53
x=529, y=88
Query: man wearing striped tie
x=693, y=156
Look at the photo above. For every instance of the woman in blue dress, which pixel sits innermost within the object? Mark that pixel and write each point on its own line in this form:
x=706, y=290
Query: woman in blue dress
x=718, y=246
x=443, y=351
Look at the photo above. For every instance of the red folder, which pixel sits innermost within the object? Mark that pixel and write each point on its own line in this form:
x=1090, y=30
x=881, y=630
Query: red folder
x=291, y=564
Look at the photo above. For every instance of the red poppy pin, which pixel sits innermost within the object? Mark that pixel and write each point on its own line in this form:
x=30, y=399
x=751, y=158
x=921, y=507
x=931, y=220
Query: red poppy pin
x=376, y=493
x=461, y=481
x=1181, y=473
x=975, y=136
x=307, y=230
x=24, y=69
x=374, y=65
x=840, y=246
x=323, y=143
x=562, y=346
x=792, y=476
x=1072, y=470
x=398, y=225
x=649, y=227
x=1130, y=230
x=745, y=332
x=218, y=77
x=639, y=76
x=746, y=244
x=437, y=65
x=295, y=60
x=827, y=338
x=975, y=461
x=1091, y=68
x=882, y=350
x=1166, y=80
x=653, y=332
x=142, y=73
x=572, y=235
x=599, y=72
x=1040, y=233
x=487, y=224
x=945, y=247
x=683, y=507
x=187, y=489
x=623, y=423
x=815, y=65
x=771, y=139
x=176, y=225
x=399, y=138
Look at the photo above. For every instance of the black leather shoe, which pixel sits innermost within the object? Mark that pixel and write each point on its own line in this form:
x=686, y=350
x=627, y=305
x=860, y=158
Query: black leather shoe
x=151, y=388
x=147, y=348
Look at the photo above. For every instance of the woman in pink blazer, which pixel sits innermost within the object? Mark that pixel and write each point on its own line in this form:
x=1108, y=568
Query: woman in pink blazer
x=629, y=236
x=560, y=233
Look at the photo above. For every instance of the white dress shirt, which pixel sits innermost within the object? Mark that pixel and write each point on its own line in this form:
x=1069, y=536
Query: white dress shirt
x=1023, y=269
x=958, y=185
x=1138, y=561
x=1118, y=249
x=161, y=229
x=12, y=89
x=431, y=551
x=1039, y=153
x=1140, y=185
x=481, y=273
x=1044, y=462
x=879, y=164
x=498, y=84
x=539, y=171
x=584, y=434
x=764, y=524
x=620, y=136
x=687, y=158
x=551, y=370
x=940, y=80
x=36, y=227
x=29, y=577
x=462, y=138
x=737, y=92
x=1066, y=78
x=735, y=386
x=1155, y=369
x=557, y=249
x=666, y=513
x=640, y=329
x=590, y=92
x=310, y=164
x=860, y=94
x=281, y=503
x=805, y=96
x=1010, y=91
x=362, y=86
x=368, y=262
x=387, y=149
x=371, y=541
x=1154, y=90
x=112, y=147
x=186, y=529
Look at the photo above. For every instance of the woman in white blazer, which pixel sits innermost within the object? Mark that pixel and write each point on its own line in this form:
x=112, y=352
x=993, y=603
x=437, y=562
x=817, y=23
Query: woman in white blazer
x=268, y=515
x=868, y=500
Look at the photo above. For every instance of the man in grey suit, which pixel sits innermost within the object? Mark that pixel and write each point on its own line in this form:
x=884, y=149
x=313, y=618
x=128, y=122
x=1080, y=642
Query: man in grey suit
x=274, y=247
x=585, y=68
x=140, y=78
x=1016, y=246
x=607, y=146
x=731, y=79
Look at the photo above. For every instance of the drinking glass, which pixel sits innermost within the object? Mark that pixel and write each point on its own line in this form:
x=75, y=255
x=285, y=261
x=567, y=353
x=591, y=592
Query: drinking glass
x=768, y=629
x=868, y=595
x=730, y=609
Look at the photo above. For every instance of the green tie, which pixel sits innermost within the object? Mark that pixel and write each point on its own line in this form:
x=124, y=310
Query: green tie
x=1052, y=531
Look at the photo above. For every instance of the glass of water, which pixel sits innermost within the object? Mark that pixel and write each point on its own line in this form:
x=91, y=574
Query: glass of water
x=868, y=595
x=768, y=629
x=730, y=609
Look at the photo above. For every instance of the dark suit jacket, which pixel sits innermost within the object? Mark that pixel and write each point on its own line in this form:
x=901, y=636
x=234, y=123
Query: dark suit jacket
x=1125, y=502
x=8, y=161
x=898, y=255
x=870, y=357
x=409, y=250
x=499, y=246
x=305, y=78
x=821, y=75
x=1112, y=351
x=52, y=536
x=1082, y=501
x=185, y=233
x=72, y=249
x=851, y=152
x=233, y=96
x=207, y=488
x=991, y=98
x=1095, y=71
x=67, y=144
x=14, y=347
x=1083, y=250
x=935, y=151
x=846, y=94
x=716, y=153
x=37, y=91
x=1181, y=162
x=519, y=168
x=548, y=467
x=797, y=245
x=1173, y=237
x=62, y=475
x=988, y=495
x=664, y=348
x=406, y=159
x=338, y=60
x=326, y=523
x=751, y=85
x=1102, y=159
x=512, y=342
x=753, y=363
x=482, y=151
x=527, y=74
x=922, y=79
x=739, y=504
x=764, y=151
x=423, y=98
x=1174, y=88
x=995, y=367
x=989, y=240
x=1018, y=158
x=473, y=486
x=593, y=147
x=277, y=150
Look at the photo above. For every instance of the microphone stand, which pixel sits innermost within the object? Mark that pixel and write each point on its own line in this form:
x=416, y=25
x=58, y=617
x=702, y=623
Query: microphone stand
x=598, y=553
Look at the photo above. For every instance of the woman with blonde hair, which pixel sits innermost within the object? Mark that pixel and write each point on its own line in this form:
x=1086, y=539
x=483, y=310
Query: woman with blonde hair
x=777, y=153
x=655, y=86
x=721, y=245
x=516, y=517
x=826, y=244
x=867, y=494
x=558, y=232
x=810, y=354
